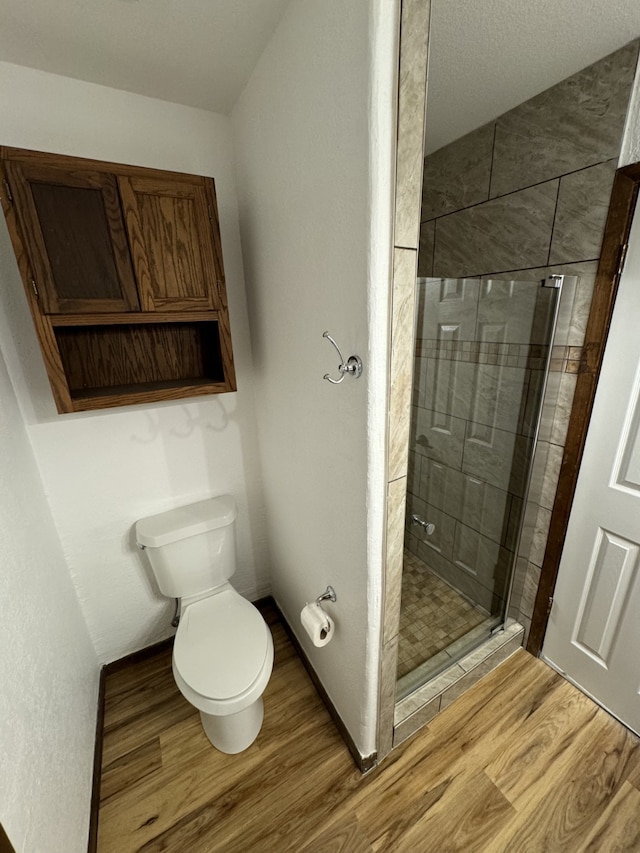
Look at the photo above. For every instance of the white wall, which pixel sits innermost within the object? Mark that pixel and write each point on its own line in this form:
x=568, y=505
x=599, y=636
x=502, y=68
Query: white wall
x=101, y=472
x=314, y=176
x=48, y=669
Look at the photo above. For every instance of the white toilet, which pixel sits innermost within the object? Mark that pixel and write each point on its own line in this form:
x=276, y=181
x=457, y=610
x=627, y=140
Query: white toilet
x=223, y=649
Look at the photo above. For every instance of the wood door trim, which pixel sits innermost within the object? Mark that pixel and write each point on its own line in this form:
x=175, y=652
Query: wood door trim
x=621, y=210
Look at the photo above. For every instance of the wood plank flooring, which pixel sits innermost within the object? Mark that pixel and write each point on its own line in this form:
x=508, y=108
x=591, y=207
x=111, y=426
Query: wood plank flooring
x=522, y=762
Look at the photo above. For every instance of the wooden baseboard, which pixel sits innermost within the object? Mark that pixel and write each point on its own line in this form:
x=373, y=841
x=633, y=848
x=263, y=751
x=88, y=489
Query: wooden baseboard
x=136, y=657
x=162, y=645
x=5, y=845
x=364, y=763
x=92, y=845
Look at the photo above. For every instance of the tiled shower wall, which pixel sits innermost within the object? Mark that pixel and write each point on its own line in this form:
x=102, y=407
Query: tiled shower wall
x=518, y=199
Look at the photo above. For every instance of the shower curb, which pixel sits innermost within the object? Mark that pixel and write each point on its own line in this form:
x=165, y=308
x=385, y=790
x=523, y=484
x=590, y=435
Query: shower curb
x=421, y=706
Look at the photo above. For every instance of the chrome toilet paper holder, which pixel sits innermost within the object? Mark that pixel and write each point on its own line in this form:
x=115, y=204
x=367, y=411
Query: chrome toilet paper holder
x=328, y=595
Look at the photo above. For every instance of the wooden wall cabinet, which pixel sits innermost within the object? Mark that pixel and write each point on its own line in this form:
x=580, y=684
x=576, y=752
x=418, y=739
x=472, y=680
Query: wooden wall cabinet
x=123, y=271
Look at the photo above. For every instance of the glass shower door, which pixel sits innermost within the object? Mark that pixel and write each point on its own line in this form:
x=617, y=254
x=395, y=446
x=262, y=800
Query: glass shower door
x=481, y=358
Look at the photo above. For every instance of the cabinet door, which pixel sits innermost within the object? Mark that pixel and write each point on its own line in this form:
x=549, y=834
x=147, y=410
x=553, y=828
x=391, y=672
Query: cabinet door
x=176, y=259
x=76, y=240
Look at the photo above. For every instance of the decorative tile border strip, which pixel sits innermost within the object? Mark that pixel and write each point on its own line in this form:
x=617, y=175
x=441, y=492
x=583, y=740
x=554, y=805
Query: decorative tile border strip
x=529, y=356
x=565, y=359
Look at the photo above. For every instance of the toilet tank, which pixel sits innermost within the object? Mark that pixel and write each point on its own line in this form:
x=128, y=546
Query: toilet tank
x=191, y=548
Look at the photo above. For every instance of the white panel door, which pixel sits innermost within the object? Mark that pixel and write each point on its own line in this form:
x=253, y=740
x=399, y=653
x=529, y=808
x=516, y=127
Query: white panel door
x=594, y=629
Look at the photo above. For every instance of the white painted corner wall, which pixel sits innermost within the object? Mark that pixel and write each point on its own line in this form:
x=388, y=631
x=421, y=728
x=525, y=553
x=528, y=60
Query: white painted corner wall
x=314, y=159
x=48, y=669
x=103, y=471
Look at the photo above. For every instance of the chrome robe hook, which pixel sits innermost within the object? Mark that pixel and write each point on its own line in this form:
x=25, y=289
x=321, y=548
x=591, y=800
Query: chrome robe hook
x=353, y=365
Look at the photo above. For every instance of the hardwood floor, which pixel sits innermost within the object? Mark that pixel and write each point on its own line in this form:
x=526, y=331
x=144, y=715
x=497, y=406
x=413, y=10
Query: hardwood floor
x=522, y=762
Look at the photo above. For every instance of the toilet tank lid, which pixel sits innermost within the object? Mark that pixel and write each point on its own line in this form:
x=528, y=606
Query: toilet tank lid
x=175, y=524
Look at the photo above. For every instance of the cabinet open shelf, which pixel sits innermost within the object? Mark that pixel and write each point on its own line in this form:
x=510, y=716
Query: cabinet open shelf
x=119, y=361
x=128, y=395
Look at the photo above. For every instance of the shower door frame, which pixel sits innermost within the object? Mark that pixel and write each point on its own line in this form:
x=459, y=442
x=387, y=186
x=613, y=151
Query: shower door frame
x=553, y=285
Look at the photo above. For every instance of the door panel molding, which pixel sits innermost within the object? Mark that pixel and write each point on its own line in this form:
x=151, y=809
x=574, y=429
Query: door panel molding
x=611, y=573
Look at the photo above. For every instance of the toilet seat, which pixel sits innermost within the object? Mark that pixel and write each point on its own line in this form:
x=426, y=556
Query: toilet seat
x=222, y=653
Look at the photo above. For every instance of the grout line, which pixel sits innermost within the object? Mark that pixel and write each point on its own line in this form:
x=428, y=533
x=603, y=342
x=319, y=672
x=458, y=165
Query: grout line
x=433, y=247
x=553, y=223
x=487, y=275
x=515, y=192
x=493, y=155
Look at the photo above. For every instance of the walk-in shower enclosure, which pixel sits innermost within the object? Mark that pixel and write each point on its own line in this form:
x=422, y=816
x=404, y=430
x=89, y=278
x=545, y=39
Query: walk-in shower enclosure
x=481, y=359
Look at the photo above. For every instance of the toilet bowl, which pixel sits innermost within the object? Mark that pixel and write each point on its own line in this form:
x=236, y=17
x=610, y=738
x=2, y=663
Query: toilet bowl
x=222, y=662
x=223, y=649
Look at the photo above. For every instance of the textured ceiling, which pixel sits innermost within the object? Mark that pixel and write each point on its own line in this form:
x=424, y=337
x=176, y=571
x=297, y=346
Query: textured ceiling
x=195, y=52
x=488, y=56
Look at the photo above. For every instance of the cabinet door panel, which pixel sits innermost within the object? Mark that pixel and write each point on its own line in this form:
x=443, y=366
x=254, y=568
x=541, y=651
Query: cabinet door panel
x=75, y=232
x=168, y=222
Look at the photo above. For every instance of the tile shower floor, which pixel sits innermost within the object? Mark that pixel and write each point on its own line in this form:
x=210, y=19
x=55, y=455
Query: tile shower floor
x=433, y=617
